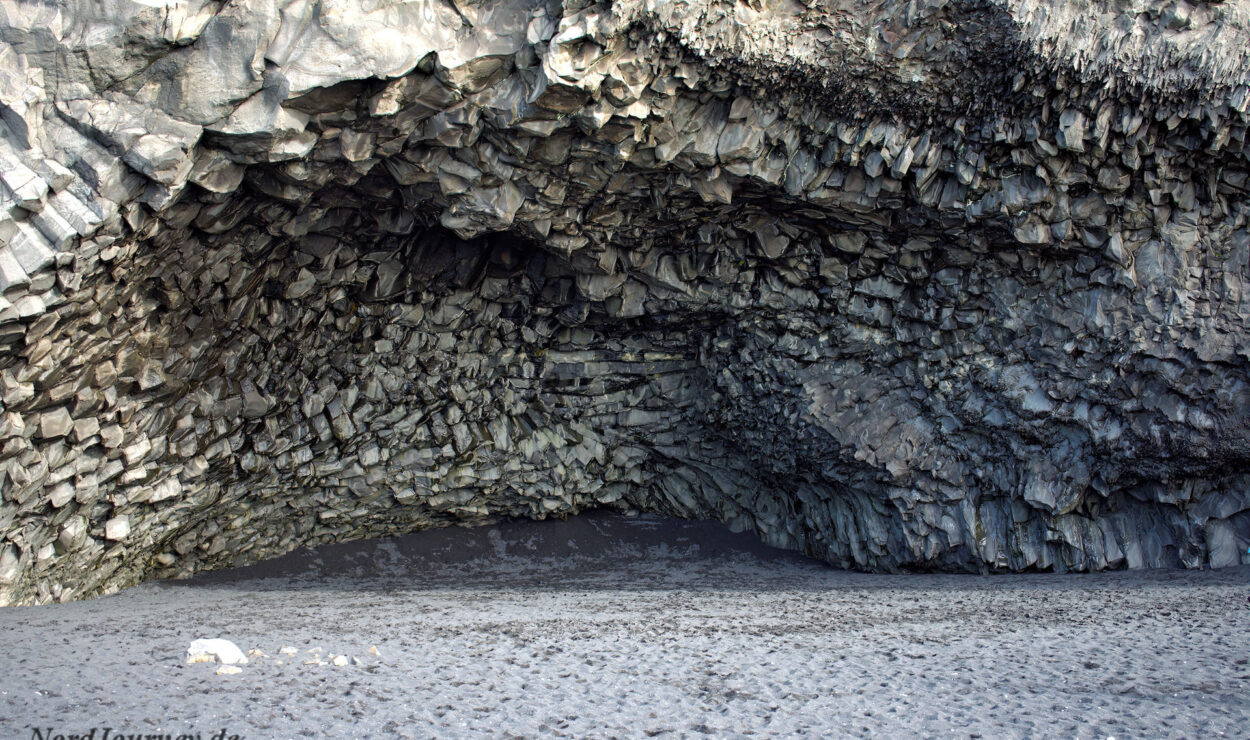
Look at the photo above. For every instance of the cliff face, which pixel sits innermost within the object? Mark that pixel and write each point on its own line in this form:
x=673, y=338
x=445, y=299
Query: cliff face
x=929, y=284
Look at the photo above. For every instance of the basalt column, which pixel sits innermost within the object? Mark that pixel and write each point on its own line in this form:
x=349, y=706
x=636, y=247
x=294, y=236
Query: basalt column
x=932, y=285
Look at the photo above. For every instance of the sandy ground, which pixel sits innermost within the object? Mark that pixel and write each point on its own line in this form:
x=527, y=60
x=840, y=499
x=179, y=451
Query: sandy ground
x=607, y=626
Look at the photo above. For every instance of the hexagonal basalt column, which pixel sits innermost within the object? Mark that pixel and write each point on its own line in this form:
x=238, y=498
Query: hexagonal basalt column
x=274, y=277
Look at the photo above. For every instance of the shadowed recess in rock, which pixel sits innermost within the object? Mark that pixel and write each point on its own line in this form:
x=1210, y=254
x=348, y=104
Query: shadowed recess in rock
x=900, y=286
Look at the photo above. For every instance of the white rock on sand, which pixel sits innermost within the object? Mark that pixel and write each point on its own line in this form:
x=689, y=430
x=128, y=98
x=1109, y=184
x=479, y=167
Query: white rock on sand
x=217, y=649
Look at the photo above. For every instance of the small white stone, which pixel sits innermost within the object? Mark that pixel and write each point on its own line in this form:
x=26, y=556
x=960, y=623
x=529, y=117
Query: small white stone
x=339, y=660
x=111, y=436
x=226, y=670
x=134, y=453
x=287, y=650
x=117, y=528
x=31, y=305
x=61, y=494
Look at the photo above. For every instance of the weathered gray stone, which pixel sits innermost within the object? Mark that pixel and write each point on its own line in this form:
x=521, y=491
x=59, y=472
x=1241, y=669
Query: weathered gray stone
x=55, y=423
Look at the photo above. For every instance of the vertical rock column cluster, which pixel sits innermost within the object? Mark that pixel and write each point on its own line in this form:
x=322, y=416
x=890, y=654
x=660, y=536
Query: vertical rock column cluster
x=921, y=285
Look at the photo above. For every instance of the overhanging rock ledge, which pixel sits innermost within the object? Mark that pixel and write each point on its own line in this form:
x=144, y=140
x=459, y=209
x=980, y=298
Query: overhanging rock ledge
x=936, y=284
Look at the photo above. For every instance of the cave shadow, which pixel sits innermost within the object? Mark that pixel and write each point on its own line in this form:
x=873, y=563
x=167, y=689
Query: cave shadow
x=596, y=550
x=604, y=551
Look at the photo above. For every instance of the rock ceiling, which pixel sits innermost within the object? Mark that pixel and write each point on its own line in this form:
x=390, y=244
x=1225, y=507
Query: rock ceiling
x=903, y=285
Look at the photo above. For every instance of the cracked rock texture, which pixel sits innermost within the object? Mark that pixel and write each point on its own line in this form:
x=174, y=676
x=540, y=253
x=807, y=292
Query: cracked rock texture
x=936, y=284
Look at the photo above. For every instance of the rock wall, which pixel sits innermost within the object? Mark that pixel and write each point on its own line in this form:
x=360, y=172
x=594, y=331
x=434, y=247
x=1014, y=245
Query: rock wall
x=936, y=284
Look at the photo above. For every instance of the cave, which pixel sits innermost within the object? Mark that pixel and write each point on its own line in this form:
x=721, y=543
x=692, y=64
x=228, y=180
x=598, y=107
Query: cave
x=923, y=286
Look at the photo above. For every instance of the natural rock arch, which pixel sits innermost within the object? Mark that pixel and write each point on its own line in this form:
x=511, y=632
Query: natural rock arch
x=903, y=285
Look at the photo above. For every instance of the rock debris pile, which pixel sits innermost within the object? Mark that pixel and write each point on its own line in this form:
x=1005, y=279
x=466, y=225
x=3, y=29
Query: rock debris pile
x=935, y=284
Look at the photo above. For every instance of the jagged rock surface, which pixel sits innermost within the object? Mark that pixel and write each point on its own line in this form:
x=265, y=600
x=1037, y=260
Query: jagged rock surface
x=929, y=284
